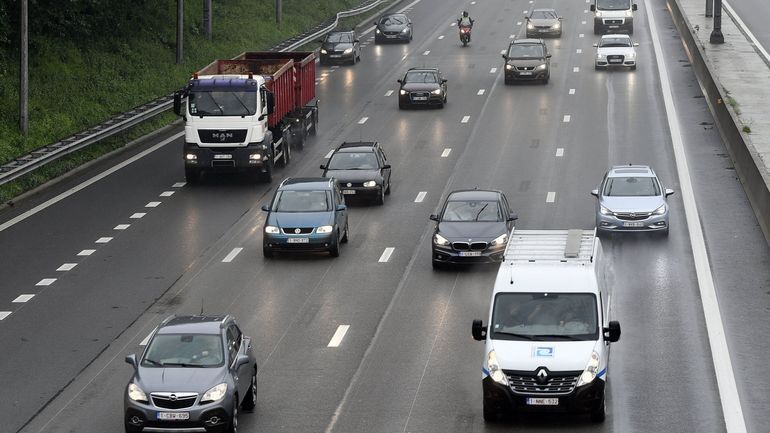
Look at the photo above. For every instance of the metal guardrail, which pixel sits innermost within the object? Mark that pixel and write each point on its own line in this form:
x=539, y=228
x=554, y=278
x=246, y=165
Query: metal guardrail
x=39, y=157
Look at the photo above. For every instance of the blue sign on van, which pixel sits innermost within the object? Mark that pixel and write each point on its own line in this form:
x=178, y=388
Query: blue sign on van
x=544, y=352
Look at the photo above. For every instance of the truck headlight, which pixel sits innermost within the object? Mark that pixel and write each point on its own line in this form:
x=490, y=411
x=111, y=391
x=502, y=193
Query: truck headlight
x=661, y=210
x=495, y=372
x=214, y=394
x=323, y=229
x=323, y=51
x=604, y=211
x=440, y=240
x=348, y=51
x=500, y=240
x=436, y=92
x=370, y=183
x=272, y=230
x=191, y=157
x=541, y=67
x=592, y=369
x=135, y=393
x=255, y=156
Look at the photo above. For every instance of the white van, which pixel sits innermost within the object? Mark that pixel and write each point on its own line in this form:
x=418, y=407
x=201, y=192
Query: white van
x=613, y=15
x=548, y=339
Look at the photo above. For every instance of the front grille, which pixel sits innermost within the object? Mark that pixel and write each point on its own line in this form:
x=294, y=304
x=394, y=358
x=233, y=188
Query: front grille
x=222, y=135
x=293, y=230
x=344, y=185
x=425, y=95
x=557, y=383
x=542, y=27
x=461, y=246
x=524, y=68
x=613, y=22
x=615, y=58
x=170, y=400
x=478, y=246
x=391, y=33
x=633, y=216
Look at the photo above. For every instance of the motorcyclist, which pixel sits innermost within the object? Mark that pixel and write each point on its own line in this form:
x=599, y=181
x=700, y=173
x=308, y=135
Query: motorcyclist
x=465, y=20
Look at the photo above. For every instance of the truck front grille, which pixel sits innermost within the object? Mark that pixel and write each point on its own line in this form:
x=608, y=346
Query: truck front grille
x=222, y=135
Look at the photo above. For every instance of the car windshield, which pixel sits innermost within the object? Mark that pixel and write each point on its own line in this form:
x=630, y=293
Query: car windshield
x=394, y=20
x=545, y=316
x=471, y=210
x=615, y=42
x=420, y=77
x=205, y=103
x=184, y=350
x=525, y=51
x=336, y=38
x=543, y=15
x=631, y=187
x=302, y=201
x=613, y=5
x=353, y=161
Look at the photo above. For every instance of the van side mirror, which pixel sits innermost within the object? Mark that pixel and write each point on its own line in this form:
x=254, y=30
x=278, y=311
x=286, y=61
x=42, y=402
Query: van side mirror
x=341, y=207
x=612, y=332
x=634, y=7
x=131, y=359
x=478, y=331
x=669, y=191
x=270, y=102
x=266, y=207
x=595, y=192
x=593, y=8
x=433, y=217
x=241, y=360
x=512, y=216
x=178, y=103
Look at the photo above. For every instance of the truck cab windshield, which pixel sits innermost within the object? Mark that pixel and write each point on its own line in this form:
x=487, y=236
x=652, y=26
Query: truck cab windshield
x=613, y=5
x=218, y=103
x=545, y=317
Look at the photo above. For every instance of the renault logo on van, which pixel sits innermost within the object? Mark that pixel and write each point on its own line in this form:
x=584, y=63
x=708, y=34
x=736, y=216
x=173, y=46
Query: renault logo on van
x=541, y=375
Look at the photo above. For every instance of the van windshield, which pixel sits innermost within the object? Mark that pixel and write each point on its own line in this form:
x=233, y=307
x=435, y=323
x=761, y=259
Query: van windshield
x=613, y=5
x=545, y=317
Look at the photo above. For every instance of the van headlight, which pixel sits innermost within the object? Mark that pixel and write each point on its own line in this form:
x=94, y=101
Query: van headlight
x=495, y=372
x=557, y=25
x=440, y=240
x=323, y=229
x=214, y=394
x=604, y=211
x=348, y=51
x=629, y=13
x=272, y=230
x=136, y=394
x=500, y=240
x=661, y=210
x=598, y=14
x=592, y=369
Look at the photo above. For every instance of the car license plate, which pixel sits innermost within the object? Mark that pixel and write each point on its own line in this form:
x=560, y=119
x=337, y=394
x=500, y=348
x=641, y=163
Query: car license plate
x=223, y=156
x=543, y=30
x=614, y=60
x=390, y=36
x=173, y=416
x=348, y=191
x=298, y=240
x=470, y=253
x=543, y=401
x=633, y=224
x=525, y=73
x=420, y=98
x=335, y=55
x=614, y=27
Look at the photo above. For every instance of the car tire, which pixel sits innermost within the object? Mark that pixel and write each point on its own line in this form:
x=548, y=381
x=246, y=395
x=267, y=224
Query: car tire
x=267, y=175
x=233, y=428
x=192, y=175
x=507, y=81
x=345, y=236
x=545, y=80
x=631, y=29
x=286, y=158
x=598, y=68
x=334, y=248
x=250, y=399
x=597, y=29
x=380, y=200
x=633, y=68
x=401, y=105
x=387, y=191
x=602, y=234
x=267, y=252
x=599, y=413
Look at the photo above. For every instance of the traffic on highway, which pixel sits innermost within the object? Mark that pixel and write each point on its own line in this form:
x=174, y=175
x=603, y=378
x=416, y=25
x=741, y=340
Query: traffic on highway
x=328, y=242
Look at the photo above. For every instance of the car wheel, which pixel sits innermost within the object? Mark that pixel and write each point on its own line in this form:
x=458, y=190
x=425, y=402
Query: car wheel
x=437, y=266
x=380, y=200
x=334, y=248
x=602, y=234
x=598, y=68
x=347, y=231
x=401, y=105
x=387, y=191
x=234, y=420
x=267, y=252
x=250, y=400
x=507, y=81
x=599, y=413
x=633, y=68
x=597, y=29
x=267, y=175
x=192, y=175
x=286, y=158
x=631, y=29
x=545, y=80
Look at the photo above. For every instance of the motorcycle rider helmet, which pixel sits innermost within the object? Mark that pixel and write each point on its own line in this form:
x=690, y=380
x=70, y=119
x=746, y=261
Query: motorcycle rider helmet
x=465, y=13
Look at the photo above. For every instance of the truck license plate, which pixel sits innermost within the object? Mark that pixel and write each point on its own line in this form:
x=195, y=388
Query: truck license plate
x=633, y=224
x=348, y=191
x=173, y=416
x=298, y=240
x=543, y=401
x=470, y=253
x=223, y=156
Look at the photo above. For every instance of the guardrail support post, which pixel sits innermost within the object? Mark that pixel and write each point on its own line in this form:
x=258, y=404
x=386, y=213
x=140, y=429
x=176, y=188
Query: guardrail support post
x=207, y=18
x=24, y=71
x=716, y=35
x=179, y=30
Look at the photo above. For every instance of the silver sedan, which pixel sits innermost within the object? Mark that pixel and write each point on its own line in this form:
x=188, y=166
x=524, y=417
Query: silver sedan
x=630, y=198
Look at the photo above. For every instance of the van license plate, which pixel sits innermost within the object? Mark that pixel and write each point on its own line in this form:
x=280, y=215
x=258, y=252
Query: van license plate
x=298, y=240
x=223, y=156
x=543, y=401
x=173, y=416
x=470, y=253
x=633, y=224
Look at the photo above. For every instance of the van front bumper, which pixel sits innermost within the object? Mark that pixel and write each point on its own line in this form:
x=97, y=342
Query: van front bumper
x=503, y=400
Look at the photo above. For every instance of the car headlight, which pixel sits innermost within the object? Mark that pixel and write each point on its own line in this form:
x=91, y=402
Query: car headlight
x=604, y=211
x=405, y=30
x=323, y=51
x=661, y=210
x=599, y=56
x=530, y=26
x=557, y=25
x=592, y=369
x=402, y=92
x=370, y=183
x=440, y=240
x=500, y=240
x=214, y=394
x=541, y=67
x=255, y=156
x=377, y=31
x=495, y=372
x=191, y=157
x=272, y=230
x=323, y=229
x=436, y=92
x=629, y=13
x=632, y=55
x=509, y=67
x=348, y=51
x=135, y=393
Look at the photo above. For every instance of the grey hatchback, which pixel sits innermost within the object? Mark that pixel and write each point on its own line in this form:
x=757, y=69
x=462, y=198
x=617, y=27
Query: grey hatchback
x=194, y=375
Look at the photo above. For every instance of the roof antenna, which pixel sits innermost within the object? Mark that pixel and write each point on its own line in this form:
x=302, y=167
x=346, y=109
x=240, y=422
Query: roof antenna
x=201, y=306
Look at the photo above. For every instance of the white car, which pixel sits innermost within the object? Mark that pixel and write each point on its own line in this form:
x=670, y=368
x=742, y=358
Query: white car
x=615, y=50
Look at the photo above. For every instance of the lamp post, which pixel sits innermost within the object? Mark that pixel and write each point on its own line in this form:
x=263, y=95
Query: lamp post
x=207, y=18
x=716, y=34
x=278, y=12
x=179, y=31
x=24, y=72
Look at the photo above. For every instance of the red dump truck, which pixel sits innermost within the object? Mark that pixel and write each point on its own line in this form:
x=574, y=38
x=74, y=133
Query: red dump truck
x=246, y=114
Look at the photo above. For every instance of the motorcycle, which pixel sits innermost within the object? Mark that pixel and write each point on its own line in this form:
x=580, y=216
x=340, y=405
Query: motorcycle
x=465, y=35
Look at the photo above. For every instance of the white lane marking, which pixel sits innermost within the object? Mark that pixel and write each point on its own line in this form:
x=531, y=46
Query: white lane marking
x=518, y=23
x=567, y=118
x=441, y=37
x=66, y=267
x=551, y=197
x=137, y=215
x=583, y=22
x=511, y=36
x=87, y=183
x=465, y=119
x=329, y=155
x=388, y=93
x=86, y=252
x=581, y=35
x=559, y=151
x=403, y=58
x=446, y=152
x=502, y=51
x=526, y=12
x=531, y=1
x=493, y=70
x=167, y=193
x=46, y=282
x=480, y=92
x=585, y=11
x=147, y=338
x=152, y=204
x=231, y=255
x=571, y=91
x=178, y=184
x=426, y=52
x=452, y=24
x=363, y=120
x=576, y=69
x=122, y=226
x=4, y=314
x=386, y=254
x=22, y=298
x=746, y=30
x=420, y=196
x=103, y=240
x=339, y=334
x=473, y=3
x=578, y=51
x=720, y=352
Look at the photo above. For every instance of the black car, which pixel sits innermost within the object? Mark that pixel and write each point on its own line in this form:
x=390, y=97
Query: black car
x=527, y=60
x=393, y=27
x=340, y=47
x=473, y=227
x=422, y=86
x=195, y=374
x=361, y=170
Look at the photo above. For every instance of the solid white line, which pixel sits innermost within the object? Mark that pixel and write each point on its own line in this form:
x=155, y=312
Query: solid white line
x=720, y=352
x=103, y=240
x=167, y=193
x=363, y=120
x=426, y=52
x=441, y=37
x=87, y=183
x=579, y=51
x=339, y=334
x=86, y=252
x=559, y=151
x=147, y=338
x=551, y=197
x=567, y=118
x=137, y=215
x=122, y=226
x=4, y=314
x=231, y=255
x=22, y=298
x=152, y=204
x=746, y=30
x=386, y=254
x=480, y=92
x=388, y=93
x=329, y=155
x=420, y=196
x=46, y=282
x=571, y=91
x=446, y=152
x=465, y=119
x=493, y=70
x=178, y=184
x=66, y=267
x=576, y=69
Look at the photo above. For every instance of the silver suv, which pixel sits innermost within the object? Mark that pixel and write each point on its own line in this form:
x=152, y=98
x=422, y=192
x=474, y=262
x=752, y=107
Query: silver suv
x=630, y=198
x=194, y=375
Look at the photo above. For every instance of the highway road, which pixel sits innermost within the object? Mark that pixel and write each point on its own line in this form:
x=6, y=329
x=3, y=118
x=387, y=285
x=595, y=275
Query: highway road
x=144, y=246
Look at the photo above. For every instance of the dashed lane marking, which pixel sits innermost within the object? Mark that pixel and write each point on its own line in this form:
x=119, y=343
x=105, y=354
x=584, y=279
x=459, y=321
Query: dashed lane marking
x=363, y=120
x=465, y=119
x=571, y=91
x=576, y=69
x=583, y=22
x=86, y=252
x=582, y=35
x=493, y=70
x=137, y=215
x=167, y=193
x=426, y=52
x=103, y=240
x=511, y=36
x=339, y=334
x=446, y=152
x=46, y=282
x=567, y=118
x=22, y=299
x=66, y=267
x=551, y=197
x=178, y=184
x=4, y=314
x=559, y=151
x=388, y=93
x=386, y=255
x=578, y=51
x=480, y=92
x=152, y=204
x=231, y=255
x=518, y=23
x=441, y=37
x=502, y=51
x=121, y=226
x=420, y=196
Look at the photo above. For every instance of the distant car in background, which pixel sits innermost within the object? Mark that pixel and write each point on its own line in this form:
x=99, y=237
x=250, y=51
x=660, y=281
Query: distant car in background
x=340, y=47
x=422, y=86
x=361, y=170
x=393, y=27
x=543, y=22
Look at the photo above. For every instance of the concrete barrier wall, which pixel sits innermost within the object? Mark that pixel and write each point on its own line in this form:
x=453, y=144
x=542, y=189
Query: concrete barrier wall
x=747, y=163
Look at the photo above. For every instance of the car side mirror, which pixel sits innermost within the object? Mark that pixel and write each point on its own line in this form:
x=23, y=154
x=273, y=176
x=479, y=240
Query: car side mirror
x=241, y=360
x=636, y=44
x=478, y=331
x=386, y=167
x=433, y=217
x=512, y=216
x=321, y=40
x=595, y=44
x=595, y=192
x=341, y=207
x=374, y=23
x=178, y=103
x=356, y=40
x=400, y=81
x=548, y=56
x=504, y=57
x=443, y=80
x=612, y=332
x=266, y=207
x=131, y=359
x=593, y=8
x=634, y=7
x=669, y=191
x=322, y=167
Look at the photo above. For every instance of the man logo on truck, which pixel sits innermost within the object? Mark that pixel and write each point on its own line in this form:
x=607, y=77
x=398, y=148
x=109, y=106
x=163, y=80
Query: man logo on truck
x=222, y=136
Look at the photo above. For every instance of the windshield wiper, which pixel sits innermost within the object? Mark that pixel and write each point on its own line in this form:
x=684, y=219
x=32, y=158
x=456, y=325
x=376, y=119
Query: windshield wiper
x=513, y=334
x=248, y=112
x=480, y=211
x=219, y=107
x=153, y=362
x=177, y=364
x=566, y=337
